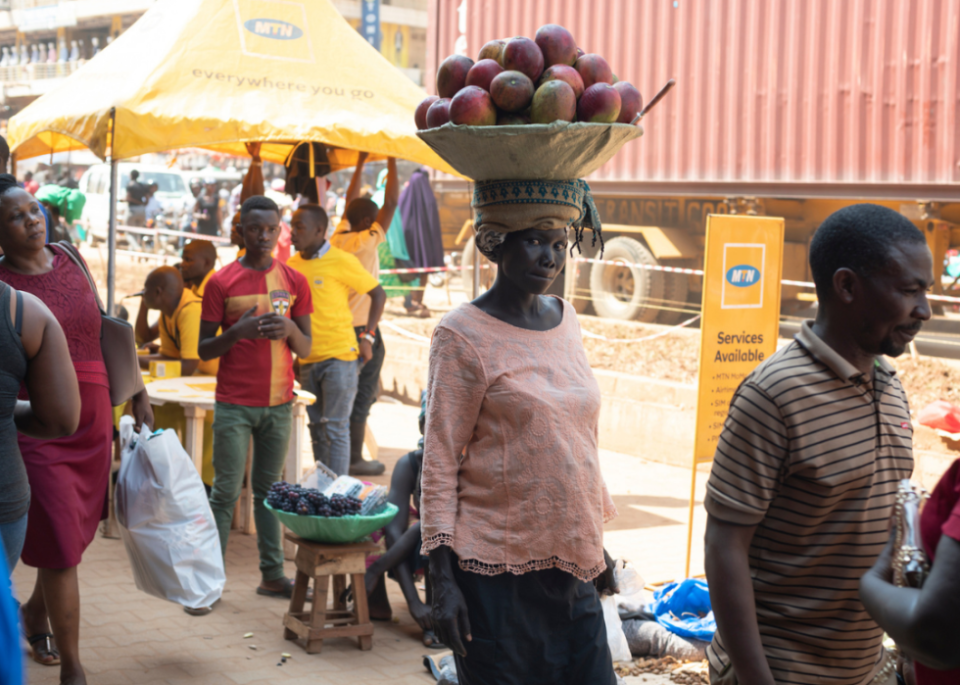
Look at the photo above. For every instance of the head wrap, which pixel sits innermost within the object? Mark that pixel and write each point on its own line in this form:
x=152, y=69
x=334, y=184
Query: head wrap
x=504, y=207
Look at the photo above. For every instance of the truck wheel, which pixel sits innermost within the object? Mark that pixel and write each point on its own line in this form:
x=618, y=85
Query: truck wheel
x=627, y=292
x=578, y=292
x=675, y=291
x=487, y=276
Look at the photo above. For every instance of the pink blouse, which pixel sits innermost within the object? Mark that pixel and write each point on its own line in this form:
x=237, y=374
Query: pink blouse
x=511, y=475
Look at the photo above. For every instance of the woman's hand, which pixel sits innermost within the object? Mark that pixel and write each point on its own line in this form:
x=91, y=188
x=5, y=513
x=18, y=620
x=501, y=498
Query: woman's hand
x=141, y=410
x=421, y=614
x=606, y=582
x=449, y=611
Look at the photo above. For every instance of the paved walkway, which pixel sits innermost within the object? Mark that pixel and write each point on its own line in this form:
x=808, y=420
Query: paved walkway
x=130, y=637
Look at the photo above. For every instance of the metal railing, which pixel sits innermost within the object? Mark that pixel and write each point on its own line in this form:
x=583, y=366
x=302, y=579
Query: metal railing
x=41, y=70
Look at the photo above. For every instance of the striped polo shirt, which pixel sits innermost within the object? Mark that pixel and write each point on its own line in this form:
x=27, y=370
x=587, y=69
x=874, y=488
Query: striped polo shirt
x=811, y=454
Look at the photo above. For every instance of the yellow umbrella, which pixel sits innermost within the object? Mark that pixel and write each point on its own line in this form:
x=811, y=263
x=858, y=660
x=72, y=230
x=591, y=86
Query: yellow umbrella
x=218, y=74
x=221, y=73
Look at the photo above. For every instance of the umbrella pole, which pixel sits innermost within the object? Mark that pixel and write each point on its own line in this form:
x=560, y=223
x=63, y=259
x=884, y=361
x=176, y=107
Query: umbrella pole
x=112, y=231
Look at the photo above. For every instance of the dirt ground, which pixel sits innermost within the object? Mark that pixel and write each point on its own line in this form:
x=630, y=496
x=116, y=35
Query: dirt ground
x=670, y=357
x=927, y=380
x=674, y=356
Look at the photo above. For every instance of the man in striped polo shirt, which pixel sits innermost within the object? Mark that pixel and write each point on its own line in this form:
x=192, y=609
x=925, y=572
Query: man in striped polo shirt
x=801, y=491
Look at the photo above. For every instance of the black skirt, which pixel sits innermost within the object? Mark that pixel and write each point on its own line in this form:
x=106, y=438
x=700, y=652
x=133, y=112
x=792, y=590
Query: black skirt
x=539, y=628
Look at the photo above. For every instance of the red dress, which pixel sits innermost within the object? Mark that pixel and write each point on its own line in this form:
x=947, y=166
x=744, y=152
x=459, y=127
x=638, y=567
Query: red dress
x=68, y=476
x=941, y=516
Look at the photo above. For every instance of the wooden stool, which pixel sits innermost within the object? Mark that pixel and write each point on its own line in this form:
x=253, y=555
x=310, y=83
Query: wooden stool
x=321, y=561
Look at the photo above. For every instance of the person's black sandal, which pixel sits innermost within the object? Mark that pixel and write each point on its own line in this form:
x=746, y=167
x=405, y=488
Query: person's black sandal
x=35, y=652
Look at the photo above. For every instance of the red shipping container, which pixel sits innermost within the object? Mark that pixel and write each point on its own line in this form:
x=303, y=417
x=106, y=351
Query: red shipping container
x=818, y=98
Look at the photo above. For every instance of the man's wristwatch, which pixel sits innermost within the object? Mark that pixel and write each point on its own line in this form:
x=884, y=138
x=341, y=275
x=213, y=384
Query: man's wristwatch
x=369, y=336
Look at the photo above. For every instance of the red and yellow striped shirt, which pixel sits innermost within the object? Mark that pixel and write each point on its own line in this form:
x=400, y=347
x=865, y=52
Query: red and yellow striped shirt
x=255, y=373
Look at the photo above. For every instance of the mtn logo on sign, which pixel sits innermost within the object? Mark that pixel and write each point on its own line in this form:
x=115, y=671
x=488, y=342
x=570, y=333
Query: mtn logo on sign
x=742, y=285
x=273, y=28
x=743, y=276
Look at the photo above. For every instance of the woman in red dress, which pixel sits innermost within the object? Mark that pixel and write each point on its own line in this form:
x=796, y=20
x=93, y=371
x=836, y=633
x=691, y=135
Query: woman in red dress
x=68, y=476
x=924, y=622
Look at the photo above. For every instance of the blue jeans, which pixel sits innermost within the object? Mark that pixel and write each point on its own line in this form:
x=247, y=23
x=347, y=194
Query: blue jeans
x=12, y=536
x=334, y=382
x=369, y=385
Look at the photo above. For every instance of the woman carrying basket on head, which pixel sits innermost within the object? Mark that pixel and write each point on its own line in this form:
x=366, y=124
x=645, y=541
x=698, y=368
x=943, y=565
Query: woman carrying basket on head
x=513, y=501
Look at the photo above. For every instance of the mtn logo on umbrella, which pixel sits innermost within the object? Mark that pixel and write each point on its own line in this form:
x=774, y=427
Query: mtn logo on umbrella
x=273, y=28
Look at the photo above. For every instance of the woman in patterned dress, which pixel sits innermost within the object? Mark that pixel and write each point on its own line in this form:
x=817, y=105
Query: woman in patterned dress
x=513, y=503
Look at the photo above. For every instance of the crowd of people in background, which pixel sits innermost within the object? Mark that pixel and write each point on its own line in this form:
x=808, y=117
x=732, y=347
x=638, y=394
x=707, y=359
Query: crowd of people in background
x=250, y=324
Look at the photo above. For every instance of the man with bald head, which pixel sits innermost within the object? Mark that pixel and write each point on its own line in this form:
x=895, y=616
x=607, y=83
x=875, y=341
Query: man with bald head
x=179, y=325
x=199, y=258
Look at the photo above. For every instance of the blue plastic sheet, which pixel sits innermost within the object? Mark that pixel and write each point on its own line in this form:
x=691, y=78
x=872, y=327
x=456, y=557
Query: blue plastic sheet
x=684, y=608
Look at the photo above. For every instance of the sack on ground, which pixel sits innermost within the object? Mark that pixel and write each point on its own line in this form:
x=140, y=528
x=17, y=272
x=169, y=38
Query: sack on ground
x=649, y=639
x=166, y=523
x=619, y=649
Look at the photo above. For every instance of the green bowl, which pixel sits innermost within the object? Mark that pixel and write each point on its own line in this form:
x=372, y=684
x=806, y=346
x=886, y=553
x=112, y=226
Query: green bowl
x=334, y=529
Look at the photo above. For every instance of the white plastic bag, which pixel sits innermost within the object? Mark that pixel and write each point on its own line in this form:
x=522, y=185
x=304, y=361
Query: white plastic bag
x=166, y=523
x=632, y=597
x=619, y=649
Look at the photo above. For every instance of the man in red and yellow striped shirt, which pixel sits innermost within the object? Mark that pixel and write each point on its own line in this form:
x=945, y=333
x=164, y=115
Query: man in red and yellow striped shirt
x=263, y=307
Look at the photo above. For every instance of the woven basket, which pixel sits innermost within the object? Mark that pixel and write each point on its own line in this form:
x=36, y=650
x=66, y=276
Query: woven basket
x=334, y=529
x=560, y=151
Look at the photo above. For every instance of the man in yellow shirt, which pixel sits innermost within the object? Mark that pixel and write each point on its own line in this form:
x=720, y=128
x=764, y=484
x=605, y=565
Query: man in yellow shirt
x=361, y=234
x=199, y=260
x=179, y=331
x=179, y=325
x=331, y=371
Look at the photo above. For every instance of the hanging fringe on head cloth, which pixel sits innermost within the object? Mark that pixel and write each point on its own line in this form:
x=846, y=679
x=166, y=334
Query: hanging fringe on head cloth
x=508, y=206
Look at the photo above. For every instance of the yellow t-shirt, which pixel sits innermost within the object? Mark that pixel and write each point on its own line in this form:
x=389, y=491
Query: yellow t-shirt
x=333, y=275
x=180, y=334
x=198, y=289
x=363, y=245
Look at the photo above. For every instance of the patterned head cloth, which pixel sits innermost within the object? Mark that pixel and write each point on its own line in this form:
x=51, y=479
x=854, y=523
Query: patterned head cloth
x=504, y=207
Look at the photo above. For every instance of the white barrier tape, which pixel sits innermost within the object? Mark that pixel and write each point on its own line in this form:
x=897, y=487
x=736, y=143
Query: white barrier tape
x=652, y=267
x=699, y=272
x=431, y=270
x=403, y=331
x=148, y=255
x=179, y=234
x=672, y=329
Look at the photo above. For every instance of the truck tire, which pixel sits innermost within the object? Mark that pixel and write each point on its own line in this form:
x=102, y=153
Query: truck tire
x=627, y=292
x=486, y=275
x=579, y=295
x=675, y=292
